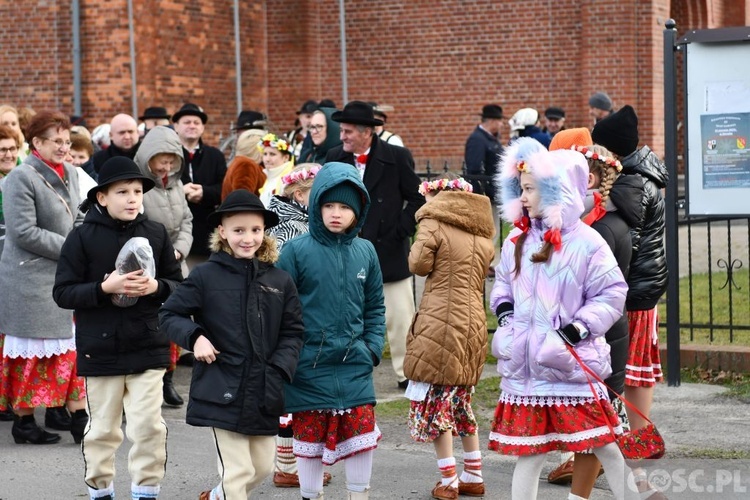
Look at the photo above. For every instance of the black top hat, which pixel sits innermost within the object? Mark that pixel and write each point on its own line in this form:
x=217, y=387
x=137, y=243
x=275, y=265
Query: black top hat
x=155, y=113
x=308, y=108
x=118, y=168
x=190, y=109
x=357, y=113
x=242, y=200
x=248, y=119
x=492, y=111
x=554, y=113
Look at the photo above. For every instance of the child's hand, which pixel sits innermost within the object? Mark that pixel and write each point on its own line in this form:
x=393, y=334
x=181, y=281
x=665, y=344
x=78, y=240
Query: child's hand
x=138, y=285
x=204, y=350
x=122, y=283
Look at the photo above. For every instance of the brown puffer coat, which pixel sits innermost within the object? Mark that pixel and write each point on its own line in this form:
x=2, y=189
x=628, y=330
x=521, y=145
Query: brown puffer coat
x=447, y=341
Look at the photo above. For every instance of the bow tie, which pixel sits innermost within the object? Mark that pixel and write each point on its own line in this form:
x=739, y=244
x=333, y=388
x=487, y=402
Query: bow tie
x=362, y=159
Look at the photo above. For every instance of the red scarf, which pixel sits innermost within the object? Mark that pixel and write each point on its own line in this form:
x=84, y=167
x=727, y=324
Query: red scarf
x=597, y=212
x=57, y=167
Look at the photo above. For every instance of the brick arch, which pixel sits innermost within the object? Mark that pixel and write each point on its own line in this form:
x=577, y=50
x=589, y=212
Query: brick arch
x=689, y=14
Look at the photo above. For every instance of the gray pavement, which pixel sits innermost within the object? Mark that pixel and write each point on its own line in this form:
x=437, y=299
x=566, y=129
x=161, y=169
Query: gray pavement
x=694, y=419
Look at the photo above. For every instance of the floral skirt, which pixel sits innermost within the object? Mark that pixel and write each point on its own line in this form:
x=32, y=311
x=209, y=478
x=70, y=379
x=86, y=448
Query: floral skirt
x=445, y=408
x=334, y=435
x=174, y=356
x=643, y=368
x=534, y=425
x=39, y=381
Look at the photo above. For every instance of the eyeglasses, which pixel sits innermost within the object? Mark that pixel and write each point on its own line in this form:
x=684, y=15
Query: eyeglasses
x=58, y=142
x=12, y=150
x=316, y=128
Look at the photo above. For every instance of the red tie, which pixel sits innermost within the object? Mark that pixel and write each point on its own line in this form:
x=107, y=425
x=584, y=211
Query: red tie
x=362, y=159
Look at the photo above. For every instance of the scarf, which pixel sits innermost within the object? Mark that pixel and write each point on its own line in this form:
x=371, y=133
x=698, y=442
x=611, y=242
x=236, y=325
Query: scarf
x=57, y=167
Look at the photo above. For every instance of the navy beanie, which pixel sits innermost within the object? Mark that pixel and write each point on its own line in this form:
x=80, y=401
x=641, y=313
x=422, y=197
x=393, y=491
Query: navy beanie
x=345, y=193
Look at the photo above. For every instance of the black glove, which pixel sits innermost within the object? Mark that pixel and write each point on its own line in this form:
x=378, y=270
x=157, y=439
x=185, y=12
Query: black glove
x=503, y=312
x=571, y=335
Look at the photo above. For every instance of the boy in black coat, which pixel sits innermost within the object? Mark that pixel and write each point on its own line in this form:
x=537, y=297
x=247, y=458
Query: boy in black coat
x=121, y=351
x=242, y=318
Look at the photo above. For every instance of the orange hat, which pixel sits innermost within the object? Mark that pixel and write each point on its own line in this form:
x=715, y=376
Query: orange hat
x=564, y=139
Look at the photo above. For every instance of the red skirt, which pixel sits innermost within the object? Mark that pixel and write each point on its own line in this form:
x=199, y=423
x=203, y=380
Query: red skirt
x=555, y=424
x=643, y=368
x=334, y=435
x=34, y=382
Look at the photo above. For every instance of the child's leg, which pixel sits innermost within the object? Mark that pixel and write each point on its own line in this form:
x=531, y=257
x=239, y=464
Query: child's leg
x=472, y=460
x=445, y=459
x=285, y=461
x=244, y=462
x=147, y=431
x=525, y=483
x=584, y=475
x=104, y=435
x=615, y=470
x=310, y=472
x=358, y=470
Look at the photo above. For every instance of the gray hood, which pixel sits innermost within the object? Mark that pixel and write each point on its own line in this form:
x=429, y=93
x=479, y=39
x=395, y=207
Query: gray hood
x=160, y=140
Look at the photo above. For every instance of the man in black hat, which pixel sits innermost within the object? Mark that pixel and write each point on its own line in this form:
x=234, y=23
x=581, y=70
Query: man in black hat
x=153, y=117
x=202, y=177
x=483, y=150
x=388, y=174
x=123, y=133
x=302, y=127
x=554, y=120
x=249, y=119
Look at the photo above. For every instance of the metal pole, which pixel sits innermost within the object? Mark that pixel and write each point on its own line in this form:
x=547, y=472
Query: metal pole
x=342, y=35
x=133, y=78
x=76, y=15
x=671, y=232
x=237, y=59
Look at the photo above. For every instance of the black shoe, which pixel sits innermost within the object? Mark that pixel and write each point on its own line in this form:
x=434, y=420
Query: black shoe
x=6, y=415
x=171, y=397
x=186, y=359
x=79, y=420
x=403, y=384
x=57, y=417
x=25, y=430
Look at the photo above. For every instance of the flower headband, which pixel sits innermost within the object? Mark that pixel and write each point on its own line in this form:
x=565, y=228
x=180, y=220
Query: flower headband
x=271, y=141
x=607, y=160
x=300, y=175
x=442, y=184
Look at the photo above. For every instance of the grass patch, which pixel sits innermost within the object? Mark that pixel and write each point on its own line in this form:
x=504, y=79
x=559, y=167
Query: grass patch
x=710, y=305
x=737, y=384
x=711, y=453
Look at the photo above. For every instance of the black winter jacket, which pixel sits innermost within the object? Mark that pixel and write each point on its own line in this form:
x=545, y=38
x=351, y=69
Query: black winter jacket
x=648, y=267
x=394, y=193
x=482, y=156
x=250, y=311
x=113, y=340
x=207, y=168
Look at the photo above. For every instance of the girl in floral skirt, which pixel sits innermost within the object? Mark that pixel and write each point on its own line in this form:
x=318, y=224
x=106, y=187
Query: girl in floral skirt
x=447, y=342
x=557, y=286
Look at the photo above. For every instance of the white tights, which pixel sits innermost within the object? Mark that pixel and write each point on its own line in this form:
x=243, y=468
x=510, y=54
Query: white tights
x=358, y=470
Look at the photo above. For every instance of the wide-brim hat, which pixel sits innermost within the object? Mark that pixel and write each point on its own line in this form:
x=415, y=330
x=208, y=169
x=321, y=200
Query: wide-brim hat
x=357, y=113
x=118, y=168
x=190, y=109
x=242, y=200
x=248, y=119
x=155, y=113
x=492, y=111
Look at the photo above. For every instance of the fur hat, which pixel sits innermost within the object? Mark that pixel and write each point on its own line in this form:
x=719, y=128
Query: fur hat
x=561, y=178
x=618, y=132
x=345, y=193
x=600, y=100
x=571, y=137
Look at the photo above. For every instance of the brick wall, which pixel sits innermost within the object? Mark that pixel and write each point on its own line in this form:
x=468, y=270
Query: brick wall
x=436, y=62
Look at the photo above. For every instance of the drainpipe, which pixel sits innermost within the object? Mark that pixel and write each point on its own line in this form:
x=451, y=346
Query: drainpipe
x=237, y=59
x=133, y=79
x=75, y=8
x=342, y=35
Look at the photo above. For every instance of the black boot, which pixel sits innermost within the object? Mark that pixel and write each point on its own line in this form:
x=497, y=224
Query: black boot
x=171, y=397
x=78, y=424
x=25, y=430
x=6, y=415
x=57, y=417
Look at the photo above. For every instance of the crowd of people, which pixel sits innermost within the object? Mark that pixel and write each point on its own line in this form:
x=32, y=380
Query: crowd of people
x=280, y=277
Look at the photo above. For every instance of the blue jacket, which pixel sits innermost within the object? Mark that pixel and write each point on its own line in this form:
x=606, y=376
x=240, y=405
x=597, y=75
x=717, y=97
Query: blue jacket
x=341, y=290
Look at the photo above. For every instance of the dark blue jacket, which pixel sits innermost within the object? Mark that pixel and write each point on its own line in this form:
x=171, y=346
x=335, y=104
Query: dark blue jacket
x=482, y=155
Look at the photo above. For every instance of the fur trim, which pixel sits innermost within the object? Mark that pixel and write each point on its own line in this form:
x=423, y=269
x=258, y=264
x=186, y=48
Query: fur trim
x=268, y=251
x=467, y=211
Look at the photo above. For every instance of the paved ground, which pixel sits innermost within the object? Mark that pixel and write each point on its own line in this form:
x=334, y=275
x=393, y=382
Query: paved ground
x=693, y=419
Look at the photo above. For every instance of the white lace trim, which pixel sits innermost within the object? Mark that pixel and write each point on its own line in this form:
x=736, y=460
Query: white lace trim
x=343, y=449
x=17, y=347
x=552, y=437
x=552, y=400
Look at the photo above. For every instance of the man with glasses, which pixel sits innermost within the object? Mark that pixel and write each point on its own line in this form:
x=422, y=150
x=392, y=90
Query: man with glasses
x=125, y=140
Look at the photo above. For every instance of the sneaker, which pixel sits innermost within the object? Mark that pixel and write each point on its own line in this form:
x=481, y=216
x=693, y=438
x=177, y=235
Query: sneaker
x=471, y=489
x=444, y=492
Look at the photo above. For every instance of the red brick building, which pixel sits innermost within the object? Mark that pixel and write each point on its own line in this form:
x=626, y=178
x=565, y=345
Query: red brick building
x=437, y=62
